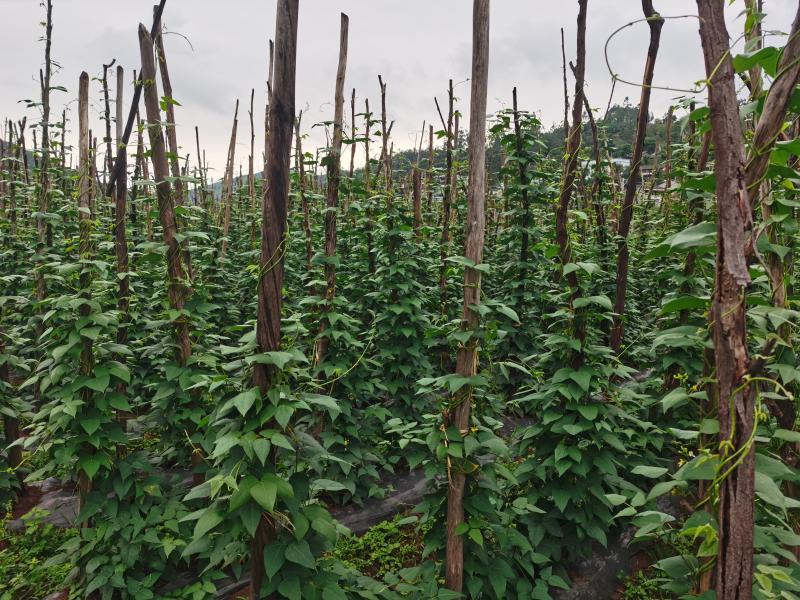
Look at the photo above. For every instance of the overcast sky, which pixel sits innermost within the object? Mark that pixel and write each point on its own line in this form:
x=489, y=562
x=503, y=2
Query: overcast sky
x=217, y=52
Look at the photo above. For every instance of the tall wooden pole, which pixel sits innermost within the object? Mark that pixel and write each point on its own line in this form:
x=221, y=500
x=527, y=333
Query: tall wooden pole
x=134, y=110
x=444, y=245
x=120, y=240
x=332, y=200
x=227, y=184
x=172, y=134
x=573, y=144
x=84, y=250
x=656, y=22
x=466, y=363
x=273, y=232
x=176, y=274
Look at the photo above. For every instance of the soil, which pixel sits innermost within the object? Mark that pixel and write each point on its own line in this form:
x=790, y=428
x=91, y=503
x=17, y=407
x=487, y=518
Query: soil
x=30, y=498
x=242, y=594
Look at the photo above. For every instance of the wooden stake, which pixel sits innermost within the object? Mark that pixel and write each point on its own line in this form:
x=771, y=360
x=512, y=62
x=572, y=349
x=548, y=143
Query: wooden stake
x=227, y=185
x=172, y=134
x=85, y=253
x=178, y=293
x=332, y=197
x=273, y=234
x=655, y=22
x=459, y=413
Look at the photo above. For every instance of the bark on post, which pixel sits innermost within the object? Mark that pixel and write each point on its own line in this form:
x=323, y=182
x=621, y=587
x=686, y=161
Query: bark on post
x=134, y=110
x=120, y=239
x=597, y=183
x=108, y=163
x=84, y=251
x=273, y=232
x=270, y=72
x=668, y=147
x=351, y=170
x=766, y=131
x=656, y=22
x=332, y=204
x=383, y=162
x=46, y=232
x=12, y=178
x=446, y=201
x=466, y=364
x=11, y=431
x=24, y=151
x=141, y=172
x=429, y=172
x=734, y=569
x=172, y=134
x=63, y=150
x=367, y=188
x=566, y=92
x=251, y=176
x=227, y=185
x=301, y=188
x=178, y=292
x=416, y=196
x=523, y=181
x=573, y=145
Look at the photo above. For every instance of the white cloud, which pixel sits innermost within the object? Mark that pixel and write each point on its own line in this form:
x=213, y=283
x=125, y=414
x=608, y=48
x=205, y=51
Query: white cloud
x=416, y=45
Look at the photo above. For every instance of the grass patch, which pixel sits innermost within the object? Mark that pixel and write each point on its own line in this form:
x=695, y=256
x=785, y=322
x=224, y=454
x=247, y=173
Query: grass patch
x=23, y=572
x=387, y=547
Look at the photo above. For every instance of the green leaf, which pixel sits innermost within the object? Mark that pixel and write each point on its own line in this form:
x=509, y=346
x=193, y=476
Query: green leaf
x=561, y=498
x=119, y=402
x=602, y=301
x=615, y=499
x=89, y=465
x=222, y=445
x=663, y=487
x=326, y=402
x=768, y=491
x=700, y=467
x=274, y=557
x=241, y=496
x=90, y=424
x=332, y=591
x=265, y=492
x=290, y=588
x=100, y=381
x=279, y=359
x=244, y=401
x=328, y=485
x=476, y=536
x=207, y=521
x=283, y=414
x=261, y=448
x=676, y=397
x=582, y=378
x=507, y=311
x=91, y=332
x=787, y=435
x=299, y=552
x=570, y=268
x=461, y=260
x=651, y=472
x=683, y=303
x=765, y=57
x=284, y=487
x=278, y=439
